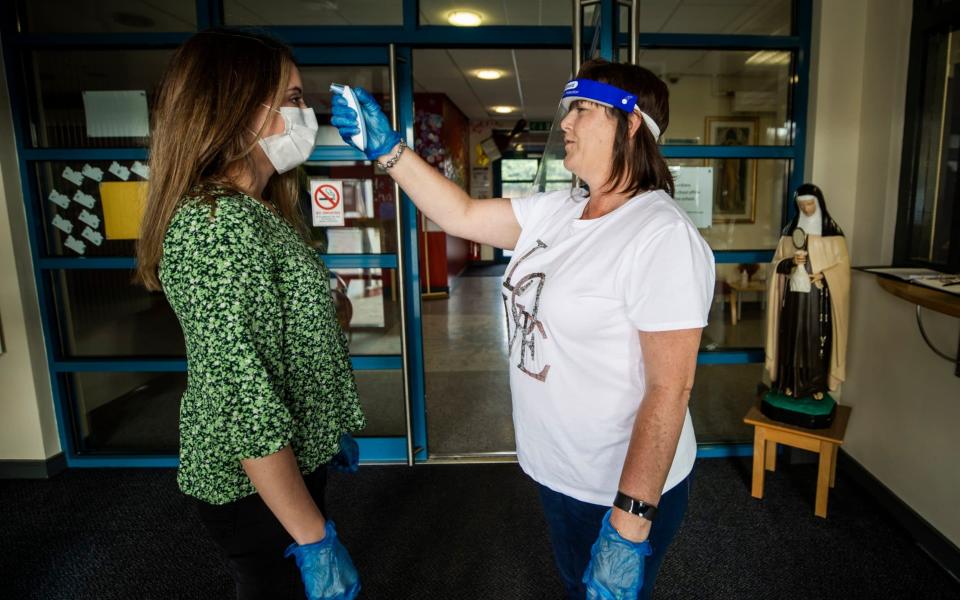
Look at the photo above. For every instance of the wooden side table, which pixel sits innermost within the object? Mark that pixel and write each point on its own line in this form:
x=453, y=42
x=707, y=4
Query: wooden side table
x=825, y=442
x=736, y=288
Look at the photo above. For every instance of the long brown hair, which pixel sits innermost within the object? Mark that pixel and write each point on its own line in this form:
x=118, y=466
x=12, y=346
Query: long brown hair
x=638, y=165
x=210, y=91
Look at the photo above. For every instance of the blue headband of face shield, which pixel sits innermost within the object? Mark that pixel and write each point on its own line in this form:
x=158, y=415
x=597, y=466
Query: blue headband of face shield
x=607, y=95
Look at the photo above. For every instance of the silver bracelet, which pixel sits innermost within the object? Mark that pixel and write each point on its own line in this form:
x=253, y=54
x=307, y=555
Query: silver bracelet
x=393, y=160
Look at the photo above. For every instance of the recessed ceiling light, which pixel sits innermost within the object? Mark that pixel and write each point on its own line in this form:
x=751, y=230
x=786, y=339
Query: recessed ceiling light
x=503, y=110
x=488, y=74
x=464, y=18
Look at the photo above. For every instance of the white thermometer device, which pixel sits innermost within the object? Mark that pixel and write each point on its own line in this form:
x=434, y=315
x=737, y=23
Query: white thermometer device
x=348, y=94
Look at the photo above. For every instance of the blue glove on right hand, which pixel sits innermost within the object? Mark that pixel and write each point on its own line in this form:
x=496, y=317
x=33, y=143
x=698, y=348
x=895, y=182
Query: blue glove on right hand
x=381, y=138
x=326, y=568
x=616, y=565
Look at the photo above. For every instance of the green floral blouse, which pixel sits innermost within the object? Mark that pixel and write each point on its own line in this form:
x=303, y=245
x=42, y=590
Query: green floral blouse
x=267, y=362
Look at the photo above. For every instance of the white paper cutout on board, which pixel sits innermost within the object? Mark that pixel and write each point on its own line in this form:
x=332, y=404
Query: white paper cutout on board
x=59, y=199
x=119, y=113
x=90, y=219
x=140, y=169
x=93, y=236
x=84, y=199
x=75, y=245
x=72, y=176
x=119, y=170
x=94, y=173
x=62, y=224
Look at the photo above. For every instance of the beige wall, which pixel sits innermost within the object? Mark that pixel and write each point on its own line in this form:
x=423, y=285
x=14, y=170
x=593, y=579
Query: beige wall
x=27, y=425
x=905, y=399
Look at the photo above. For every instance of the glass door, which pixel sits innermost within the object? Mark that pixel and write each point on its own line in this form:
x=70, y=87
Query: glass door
x=363, y=250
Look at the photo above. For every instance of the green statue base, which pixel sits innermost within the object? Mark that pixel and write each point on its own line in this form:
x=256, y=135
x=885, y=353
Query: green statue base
x=802, y=412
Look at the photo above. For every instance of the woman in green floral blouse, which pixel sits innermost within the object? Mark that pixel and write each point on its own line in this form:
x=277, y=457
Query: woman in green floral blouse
x=270, y=394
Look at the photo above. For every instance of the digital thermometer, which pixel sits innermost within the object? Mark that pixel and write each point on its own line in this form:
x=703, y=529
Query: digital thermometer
x=346, y=91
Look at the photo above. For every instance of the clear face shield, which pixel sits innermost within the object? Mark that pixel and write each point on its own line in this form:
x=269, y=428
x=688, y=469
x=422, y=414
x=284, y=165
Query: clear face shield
x=552, y=175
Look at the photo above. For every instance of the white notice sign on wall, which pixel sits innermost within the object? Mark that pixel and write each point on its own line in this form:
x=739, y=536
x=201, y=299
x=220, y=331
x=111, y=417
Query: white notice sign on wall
x=694, y=193
x=121, y=113
x=327, y=202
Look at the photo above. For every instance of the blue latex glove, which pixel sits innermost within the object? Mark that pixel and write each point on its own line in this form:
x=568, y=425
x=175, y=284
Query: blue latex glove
x=326, y=568
x=616, y=565
x=381, y=138
x=348, y=459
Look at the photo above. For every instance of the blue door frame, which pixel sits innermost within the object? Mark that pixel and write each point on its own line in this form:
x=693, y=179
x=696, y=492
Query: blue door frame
x=367, y=45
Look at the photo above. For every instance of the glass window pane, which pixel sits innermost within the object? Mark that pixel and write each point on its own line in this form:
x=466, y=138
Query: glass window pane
x=721, y=396
x=381, y=396
x=59, y=115
x=86, y=217
x=738, y=309
x=556, y=172
x=139, y=412
x=316, y=93
x=517, y=189
x=126, y=412
x=313, y=12
x=518, y=169
x=723, y=97
x=369, y=210
x=553, y=186
x=761, y=17
x=541, y=73
x=932, y=220
x=103, y=313
x=368, y=308
x=748, y=196
x=496, y=12
x=97, y=16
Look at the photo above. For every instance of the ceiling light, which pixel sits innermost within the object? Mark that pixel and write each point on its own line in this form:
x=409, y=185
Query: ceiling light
x=769, y=57
x=488, y=74
x=503, y=110
x=464, y=18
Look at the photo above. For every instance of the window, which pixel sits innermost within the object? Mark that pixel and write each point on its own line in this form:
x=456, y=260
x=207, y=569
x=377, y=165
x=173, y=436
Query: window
x=517, y=175
x=928, y=225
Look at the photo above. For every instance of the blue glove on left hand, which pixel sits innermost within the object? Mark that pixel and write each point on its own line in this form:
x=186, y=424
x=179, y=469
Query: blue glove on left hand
x=381, y=138
x=348, y=459
x=616, y=565
x=325, y=568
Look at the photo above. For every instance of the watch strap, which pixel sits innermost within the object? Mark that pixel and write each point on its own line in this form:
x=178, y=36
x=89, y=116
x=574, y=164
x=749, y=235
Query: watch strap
x=634, y=506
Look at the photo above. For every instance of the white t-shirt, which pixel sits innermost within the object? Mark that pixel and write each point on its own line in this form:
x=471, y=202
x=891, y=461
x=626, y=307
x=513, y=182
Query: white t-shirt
x=576, y=294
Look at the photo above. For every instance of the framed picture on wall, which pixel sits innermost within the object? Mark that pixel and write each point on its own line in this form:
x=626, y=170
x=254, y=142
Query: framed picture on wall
x=735, y=183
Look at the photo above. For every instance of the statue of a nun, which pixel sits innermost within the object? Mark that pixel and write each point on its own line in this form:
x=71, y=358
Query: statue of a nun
x=807, y=315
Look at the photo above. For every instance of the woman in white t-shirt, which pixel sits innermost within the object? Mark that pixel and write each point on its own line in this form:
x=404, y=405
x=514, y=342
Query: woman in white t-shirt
x=606, y=297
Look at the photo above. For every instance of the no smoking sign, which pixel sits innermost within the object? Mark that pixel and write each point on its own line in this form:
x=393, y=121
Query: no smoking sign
x=327, y=202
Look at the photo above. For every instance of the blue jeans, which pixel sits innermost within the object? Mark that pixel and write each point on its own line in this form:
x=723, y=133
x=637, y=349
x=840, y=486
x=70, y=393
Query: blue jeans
x=574, y=526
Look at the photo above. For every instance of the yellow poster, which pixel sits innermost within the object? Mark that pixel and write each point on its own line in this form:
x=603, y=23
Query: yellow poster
x=123, y=204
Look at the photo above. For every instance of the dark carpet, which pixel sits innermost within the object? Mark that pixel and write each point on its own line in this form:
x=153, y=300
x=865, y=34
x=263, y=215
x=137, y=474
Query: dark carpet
x=496, y=270
x=459, y=532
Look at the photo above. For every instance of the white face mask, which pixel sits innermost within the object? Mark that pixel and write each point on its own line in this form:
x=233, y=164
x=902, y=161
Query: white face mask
x=292, y=148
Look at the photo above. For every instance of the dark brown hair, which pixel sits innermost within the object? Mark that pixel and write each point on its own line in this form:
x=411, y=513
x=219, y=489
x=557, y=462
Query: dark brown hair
x=212, y=87
x=638, y=165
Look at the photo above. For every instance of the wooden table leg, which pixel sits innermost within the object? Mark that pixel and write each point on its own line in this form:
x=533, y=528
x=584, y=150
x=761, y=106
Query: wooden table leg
x=823, y=479
x=771, y=457
x=833, y=464
x=732, y=299
x=758, y=460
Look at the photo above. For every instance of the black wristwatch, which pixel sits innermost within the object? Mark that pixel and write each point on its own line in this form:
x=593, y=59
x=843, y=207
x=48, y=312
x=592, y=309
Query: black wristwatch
x=634, y=506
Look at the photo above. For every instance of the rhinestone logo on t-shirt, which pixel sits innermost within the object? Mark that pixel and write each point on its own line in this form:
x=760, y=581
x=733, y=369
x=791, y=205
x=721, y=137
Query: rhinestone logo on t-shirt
x=523, y=322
